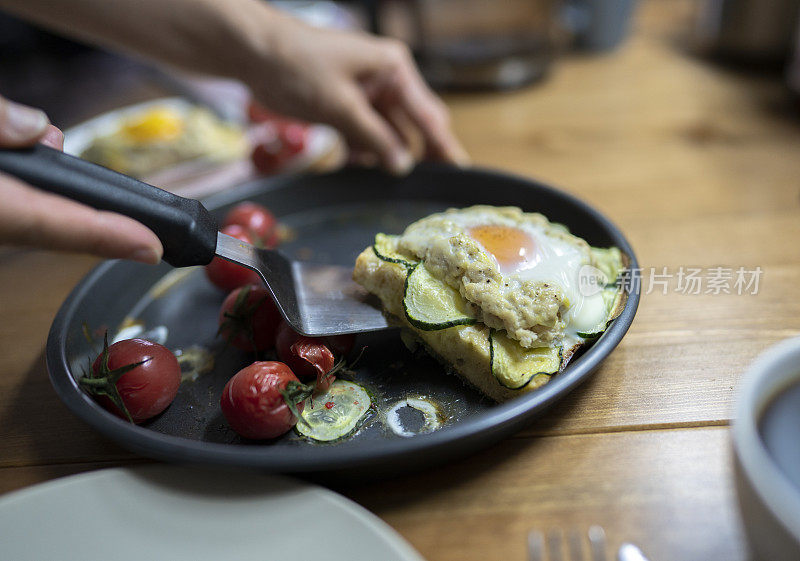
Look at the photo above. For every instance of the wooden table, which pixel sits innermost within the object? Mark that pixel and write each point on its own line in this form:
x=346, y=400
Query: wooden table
x=700, y=167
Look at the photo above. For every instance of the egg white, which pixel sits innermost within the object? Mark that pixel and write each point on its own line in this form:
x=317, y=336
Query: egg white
x=555, y=268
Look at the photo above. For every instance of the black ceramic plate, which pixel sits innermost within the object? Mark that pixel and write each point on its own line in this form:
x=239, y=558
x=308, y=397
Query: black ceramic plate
x=334, y=217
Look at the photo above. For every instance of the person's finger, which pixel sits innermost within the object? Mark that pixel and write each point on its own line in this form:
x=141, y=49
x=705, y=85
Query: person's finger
x=403, y=128
x=430, y=115
x=384, y=100
x=365, y=129
x=34, y=218
x=53, y=137
x=20, y=125
x=401, y=81
x=362, y=158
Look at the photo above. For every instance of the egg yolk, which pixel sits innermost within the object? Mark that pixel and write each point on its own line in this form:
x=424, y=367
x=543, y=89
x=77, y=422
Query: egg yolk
x=158, y=124
x=514, y=249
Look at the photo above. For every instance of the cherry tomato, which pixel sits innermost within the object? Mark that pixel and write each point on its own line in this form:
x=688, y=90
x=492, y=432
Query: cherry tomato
x=308, y=357
x=269, y=157
x=285, y=338
x=257, y=220
x=144, y=375
x=253, y=404
x=293, y=137
x=286, y=139
x=249, y=318
x=341, y=344
x=312, y=352
x=226, y=275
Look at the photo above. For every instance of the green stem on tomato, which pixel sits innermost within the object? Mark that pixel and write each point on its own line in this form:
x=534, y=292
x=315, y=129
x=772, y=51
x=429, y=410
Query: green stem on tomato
x=105, y=382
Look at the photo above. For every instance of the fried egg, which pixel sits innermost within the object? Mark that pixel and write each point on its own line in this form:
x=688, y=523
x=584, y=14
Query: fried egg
x=160, y=137
x=519, y=271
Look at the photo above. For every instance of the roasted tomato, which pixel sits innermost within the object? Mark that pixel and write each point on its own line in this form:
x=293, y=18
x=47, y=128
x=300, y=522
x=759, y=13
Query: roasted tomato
x=286, y=139
x=293, y=137
x=257, y=220
x=263, y=400
x=226, y=275
x=249, y=318
x=341, y=344
x=269, y=157
x=135, y=379
x=308, y=357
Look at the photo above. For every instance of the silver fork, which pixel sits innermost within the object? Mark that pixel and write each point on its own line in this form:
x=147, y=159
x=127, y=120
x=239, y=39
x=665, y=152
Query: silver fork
x=553, y=545
x=316, y=300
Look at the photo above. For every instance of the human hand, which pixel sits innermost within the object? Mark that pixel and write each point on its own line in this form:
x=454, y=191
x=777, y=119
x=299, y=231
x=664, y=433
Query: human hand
x=367, y=87
x=31, y=217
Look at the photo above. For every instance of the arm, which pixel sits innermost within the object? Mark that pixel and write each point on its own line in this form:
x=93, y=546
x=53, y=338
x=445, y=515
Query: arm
x=189, y=34
x=367, y=87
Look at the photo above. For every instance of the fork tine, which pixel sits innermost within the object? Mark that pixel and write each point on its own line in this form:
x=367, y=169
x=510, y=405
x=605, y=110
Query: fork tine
x=554, y=545
x=597, y=543
x=535, y=546
x=575, y=546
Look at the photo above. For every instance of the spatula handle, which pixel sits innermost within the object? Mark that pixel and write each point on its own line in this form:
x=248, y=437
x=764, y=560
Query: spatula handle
x=186, y=229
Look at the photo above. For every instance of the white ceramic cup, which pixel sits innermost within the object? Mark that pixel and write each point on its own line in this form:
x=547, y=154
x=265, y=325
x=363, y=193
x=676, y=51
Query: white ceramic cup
x=769, y=502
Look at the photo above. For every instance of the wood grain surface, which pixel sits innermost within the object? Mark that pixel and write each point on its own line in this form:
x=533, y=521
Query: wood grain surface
x=699, y=166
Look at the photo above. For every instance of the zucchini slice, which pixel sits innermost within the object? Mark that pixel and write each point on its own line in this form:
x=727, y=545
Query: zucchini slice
x=431, y=304
x=385, y=247
x=515, y=367
x=334, y=414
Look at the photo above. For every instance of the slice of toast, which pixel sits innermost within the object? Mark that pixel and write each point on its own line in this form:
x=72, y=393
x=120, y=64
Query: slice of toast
x=463, y=349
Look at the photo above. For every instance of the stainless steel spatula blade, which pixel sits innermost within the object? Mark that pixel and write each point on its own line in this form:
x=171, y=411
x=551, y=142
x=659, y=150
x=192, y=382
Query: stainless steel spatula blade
x=314, y=299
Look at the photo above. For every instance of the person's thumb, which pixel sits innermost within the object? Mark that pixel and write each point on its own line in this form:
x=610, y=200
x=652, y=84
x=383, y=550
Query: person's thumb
x=20, y=125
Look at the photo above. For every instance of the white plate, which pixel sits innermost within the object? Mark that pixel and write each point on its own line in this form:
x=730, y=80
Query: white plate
x=78, y=138
x=201, y=177
x=167, y=512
